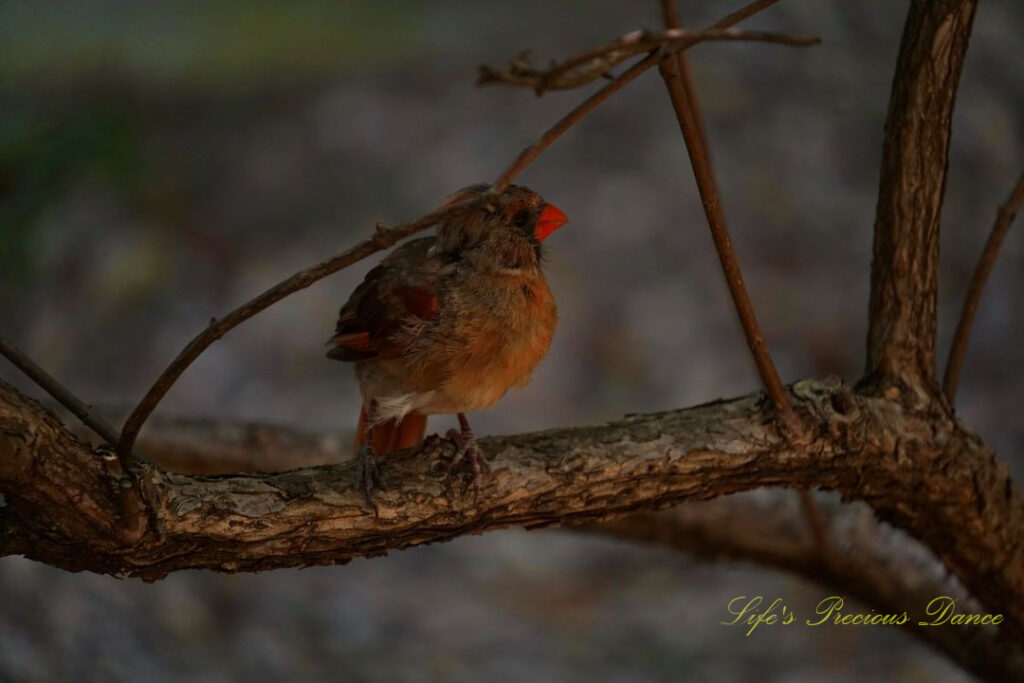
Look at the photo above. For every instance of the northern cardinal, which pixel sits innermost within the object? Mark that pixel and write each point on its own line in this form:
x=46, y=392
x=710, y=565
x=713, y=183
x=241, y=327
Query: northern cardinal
x=446, y=324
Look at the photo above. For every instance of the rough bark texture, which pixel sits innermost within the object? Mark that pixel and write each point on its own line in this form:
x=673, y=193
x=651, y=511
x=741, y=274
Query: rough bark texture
x=904, y=268
x=65, y=503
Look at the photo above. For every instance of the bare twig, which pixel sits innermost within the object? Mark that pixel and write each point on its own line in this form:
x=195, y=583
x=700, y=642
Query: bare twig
x=568, y=121
x=1004, y=218
x=672, y=68
x=588, y=66
x=588, y=105
x=671, y=17
x=382, y=239
x=742, y=13
x=54, y=388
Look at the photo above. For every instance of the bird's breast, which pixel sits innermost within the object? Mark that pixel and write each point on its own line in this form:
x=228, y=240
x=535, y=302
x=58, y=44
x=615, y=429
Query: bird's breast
x=495, y=340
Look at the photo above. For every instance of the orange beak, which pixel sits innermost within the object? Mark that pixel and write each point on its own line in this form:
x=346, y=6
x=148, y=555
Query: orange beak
x=550, y=219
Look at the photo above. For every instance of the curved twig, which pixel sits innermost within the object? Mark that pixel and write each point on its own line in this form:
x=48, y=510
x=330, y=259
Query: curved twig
x=878, y=565
x=1004, y=219
x=381, y=239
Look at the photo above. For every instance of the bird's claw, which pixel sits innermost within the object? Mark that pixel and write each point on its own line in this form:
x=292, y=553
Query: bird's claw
x=467, y=449
x=369, y=474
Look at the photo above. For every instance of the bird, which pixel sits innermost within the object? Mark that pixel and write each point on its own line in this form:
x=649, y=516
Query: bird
x=447, y=324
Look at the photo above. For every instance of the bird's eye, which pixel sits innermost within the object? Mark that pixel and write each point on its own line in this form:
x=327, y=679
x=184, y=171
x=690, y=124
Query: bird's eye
x=521, y=218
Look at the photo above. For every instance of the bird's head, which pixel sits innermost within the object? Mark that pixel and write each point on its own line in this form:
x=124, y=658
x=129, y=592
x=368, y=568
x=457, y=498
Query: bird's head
x=505, y=232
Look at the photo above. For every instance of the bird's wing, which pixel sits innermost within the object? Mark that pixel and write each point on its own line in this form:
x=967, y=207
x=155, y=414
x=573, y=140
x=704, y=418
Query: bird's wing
x=386, y=311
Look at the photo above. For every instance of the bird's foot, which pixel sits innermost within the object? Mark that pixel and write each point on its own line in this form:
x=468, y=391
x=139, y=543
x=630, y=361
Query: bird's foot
x=369, y=474
x=467, y=450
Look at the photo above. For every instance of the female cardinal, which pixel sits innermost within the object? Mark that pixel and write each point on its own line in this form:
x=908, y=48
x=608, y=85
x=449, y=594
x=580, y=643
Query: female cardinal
x=447, y=324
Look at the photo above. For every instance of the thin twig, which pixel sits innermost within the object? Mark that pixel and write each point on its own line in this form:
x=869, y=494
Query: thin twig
x=686, y=109
x=588, y=66
x=1004, y=218
x=671, y=16
x=743, y=13
x=54, y=388
x=382, y=239
x=569, y=120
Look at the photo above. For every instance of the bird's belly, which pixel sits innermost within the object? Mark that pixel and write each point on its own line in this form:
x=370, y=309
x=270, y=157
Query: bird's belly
x=470, y=363
x=486, y=371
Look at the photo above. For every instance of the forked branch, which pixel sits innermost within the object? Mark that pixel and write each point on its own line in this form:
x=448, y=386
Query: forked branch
x=591, y=65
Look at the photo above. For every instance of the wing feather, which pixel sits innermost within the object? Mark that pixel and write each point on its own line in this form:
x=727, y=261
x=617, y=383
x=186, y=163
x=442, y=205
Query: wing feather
x=374, y=322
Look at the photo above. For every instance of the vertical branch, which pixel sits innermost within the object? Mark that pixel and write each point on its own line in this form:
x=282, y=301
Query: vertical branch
x=675, y=72
x=904, y=266
x=1004, y=218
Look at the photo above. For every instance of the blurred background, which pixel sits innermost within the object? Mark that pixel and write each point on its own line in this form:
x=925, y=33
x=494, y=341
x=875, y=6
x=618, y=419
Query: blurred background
x=162, y=162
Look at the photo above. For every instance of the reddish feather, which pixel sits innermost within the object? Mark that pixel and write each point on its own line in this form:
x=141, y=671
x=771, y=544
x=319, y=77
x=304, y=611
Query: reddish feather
x=366, y=334
x=392, y=435
x=419, y=301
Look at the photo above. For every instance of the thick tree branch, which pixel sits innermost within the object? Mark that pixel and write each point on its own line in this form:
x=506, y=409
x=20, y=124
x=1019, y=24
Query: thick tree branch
x=1004, y=218
x=904, y=267
x=63, y=502
x=878, y=565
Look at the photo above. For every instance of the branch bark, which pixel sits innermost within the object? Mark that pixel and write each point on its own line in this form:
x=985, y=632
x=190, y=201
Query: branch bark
x=880, y=566
x=904, y=267
x=54, y=388
x=63, y=503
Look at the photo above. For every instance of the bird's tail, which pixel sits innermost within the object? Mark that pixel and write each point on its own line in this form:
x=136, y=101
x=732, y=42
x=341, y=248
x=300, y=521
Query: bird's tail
x=393, y=435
